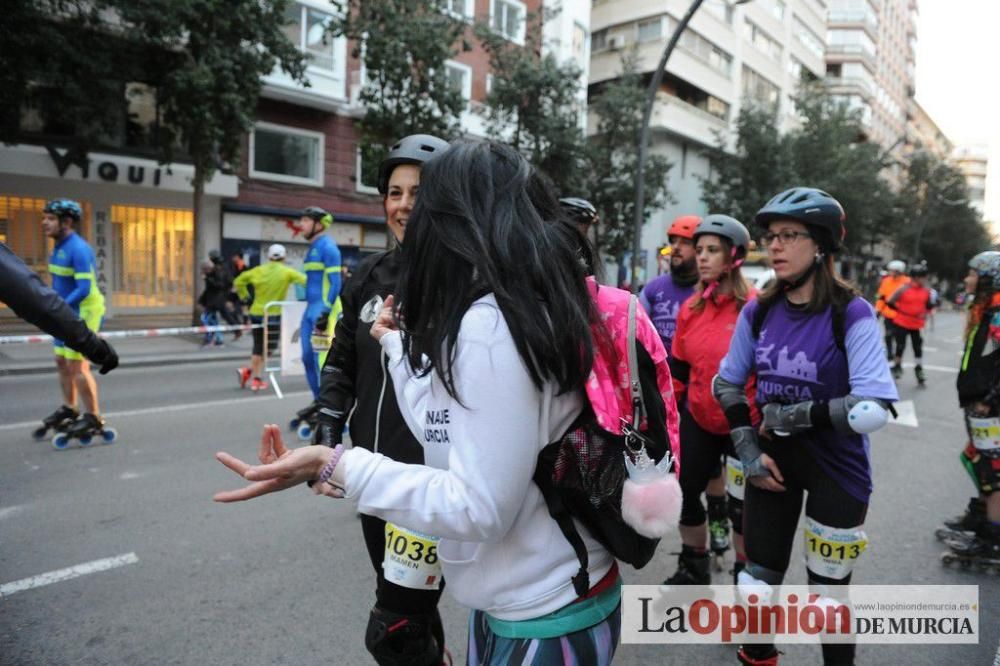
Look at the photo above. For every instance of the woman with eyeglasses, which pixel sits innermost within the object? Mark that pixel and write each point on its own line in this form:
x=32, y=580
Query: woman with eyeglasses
x=823, y=384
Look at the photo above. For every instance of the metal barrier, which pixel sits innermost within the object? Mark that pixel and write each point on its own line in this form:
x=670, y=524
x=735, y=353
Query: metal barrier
x=134, y=333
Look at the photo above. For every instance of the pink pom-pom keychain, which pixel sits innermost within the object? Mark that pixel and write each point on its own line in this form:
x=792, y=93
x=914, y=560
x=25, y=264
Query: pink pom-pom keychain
x=651, y=495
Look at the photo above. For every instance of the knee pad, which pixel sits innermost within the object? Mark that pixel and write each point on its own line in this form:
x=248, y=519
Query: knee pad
x=831, y=552
x=394, y=639
x=736, y=514
x=759, y=581
x=692, y=510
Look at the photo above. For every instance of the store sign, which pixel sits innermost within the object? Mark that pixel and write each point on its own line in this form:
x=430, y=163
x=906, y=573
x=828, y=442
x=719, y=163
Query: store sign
x=105, y=168
x=102, y=250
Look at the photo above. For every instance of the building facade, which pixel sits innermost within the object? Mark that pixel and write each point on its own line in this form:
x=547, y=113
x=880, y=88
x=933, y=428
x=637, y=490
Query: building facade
x=973, y=162
x=728, y=54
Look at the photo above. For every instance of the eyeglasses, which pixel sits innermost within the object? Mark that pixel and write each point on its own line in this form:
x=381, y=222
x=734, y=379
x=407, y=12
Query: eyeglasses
x=787, y=237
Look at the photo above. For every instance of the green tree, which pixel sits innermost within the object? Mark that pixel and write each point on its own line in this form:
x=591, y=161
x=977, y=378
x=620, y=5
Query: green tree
x=533, y=106
x=759, y=167
x=404, y=45
x=214, y=53
x=938, y=223
x=612, y=160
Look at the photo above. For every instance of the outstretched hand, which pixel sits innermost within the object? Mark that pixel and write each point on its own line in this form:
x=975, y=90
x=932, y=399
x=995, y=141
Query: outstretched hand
x=280, y=467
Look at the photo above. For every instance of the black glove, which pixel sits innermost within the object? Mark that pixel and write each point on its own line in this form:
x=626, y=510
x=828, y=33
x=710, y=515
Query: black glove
x=104, y=355
x=329, y=428
x=322, y=322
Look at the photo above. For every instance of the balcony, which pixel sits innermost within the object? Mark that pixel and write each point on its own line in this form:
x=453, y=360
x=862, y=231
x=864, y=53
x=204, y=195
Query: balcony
x=849, y=85
x=854, y=19
x=683, y=119
x=852, y=52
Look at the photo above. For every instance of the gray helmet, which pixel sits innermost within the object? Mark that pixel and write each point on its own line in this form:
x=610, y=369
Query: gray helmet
x=317, y=214
x=579, y=210
x=728, y=228
x=987, y=265
x=413, y=149
x=814, y=208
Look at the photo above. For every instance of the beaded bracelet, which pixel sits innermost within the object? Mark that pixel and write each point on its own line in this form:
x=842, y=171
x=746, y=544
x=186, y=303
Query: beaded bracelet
x=327, y=471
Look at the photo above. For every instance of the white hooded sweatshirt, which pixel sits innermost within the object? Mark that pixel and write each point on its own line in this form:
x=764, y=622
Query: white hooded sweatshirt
x=501, y=551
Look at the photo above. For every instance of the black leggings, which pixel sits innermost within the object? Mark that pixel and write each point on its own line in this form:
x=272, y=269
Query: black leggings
x=273, y=335
x=900, y=338
x=771, y=518
x=701, y=453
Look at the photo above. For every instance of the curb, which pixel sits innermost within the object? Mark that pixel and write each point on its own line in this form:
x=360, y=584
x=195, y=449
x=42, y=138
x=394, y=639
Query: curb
x=134, y=362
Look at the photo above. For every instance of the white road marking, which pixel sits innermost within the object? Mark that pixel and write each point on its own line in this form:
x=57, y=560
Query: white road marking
x=8, y=511
x=936, y=368
x=931, y=349
x=60, y=575
x=907, y=414
x=166, y=408
x=132, y=475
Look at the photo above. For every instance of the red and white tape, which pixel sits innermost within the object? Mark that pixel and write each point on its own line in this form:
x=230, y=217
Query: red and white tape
x=135, y=333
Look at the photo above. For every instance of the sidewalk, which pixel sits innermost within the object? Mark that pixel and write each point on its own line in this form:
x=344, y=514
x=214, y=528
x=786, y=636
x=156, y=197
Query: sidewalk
x=22, y=359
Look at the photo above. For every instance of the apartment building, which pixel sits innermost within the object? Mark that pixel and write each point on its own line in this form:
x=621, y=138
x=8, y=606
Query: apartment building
x=304, y=148
x=973, y=161
x=924, y=134
x=729, y=54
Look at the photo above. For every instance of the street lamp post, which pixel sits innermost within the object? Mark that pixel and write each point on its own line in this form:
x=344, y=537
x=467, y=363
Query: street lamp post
x=647, y=112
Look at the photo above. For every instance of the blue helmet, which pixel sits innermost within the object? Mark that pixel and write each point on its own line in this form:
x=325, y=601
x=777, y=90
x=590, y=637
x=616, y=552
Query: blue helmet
x=64, y=208
x=814, y=208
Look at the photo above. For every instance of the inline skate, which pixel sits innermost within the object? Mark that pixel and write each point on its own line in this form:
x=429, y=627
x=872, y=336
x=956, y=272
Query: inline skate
x=58, y=420
x=84, y=430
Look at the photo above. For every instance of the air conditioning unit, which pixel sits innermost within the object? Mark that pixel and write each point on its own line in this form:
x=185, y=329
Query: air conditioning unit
x=616, y=42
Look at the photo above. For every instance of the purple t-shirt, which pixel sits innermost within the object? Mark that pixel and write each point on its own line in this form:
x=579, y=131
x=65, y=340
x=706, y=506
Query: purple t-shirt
x=662, y=300
x=796, y=359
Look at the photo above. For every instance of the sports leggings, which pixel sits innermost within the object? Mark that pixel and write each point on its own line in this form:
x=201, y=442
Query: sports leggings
x=701, y=452
x=770, y=519
x=900, y=334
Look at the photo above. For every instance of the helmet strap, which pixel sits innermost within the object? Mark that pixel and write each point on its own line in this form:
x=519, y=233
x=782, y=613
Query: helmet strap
x=792, y=285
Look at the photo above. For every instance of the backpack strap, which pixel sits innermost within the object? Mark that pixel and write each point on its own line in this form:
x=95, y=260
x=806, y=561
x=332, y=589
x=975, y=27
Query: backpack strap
x=563, y=518
x=635, y=387
x=896, y=295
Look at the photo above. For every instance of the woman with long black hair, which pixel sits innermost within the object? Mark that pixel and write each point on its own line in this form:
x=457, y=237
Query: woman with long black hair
x=489, y=369
x=823, y=384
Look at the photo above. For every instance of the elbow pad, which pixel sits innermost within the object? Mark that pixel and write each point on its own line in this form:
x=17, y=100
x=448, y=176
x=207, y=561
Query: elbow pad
x=734, y=402
x=858, y=415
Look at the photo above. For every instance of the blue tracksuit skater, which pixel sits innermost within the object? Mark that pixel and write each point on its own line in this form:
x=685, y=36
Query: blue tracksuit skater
x=322, y=269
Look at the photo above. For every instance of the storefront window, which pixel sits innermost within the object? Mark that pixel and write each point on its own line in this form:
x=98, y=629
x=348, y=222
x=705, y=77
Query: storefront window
x=154, y=257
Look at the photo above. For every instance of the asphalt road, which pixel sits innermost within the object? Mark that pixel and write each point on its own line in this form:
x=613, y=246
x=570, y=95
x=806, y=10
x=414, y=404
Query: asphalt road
x=285, y=579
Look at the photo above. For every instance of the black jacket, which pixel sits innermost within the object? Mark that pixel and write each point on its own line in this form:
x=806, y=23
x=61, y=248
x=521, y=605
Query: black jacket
x=218, y=284
x=30, y=299
x=979, y=374
x=355, y=373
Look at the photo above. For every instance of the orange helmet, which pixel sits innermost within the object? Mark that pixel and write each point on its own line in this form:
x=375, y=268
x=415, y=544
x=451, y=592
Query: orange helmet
x=684, y=226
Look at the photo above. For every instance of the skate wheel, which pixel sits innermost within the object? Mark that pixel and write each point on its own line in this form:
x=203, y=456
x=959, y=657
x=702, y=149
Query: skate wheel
x=109, y=435
x=293, y=424
x=60, y=441
x=86, y=440
x=304, y=432
x=39, y=434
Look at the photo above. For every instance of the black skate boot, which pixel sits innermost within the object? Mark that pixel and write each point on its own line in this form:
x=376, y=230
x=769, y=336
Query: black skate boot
x=964, y=526
x=58, y=420
x=692, y=568
x=754, y=655
x=981, y=551
x=897, y=371
x=921, y=377
x=83, y=430
x=305, y=421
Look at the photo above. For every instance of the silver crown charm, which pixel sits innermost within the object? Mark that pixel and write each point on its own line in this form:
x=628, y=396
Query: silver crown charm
x=643, y=470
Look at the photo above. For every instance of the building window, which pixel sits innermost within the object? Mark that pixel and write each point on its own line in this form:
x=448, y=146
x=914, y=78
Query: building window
x=650, y=29
x=507, y=18
x=599, y=40
x=460, y=79
x=461, y=9
x=306, y=28
x=367, y=170
x=489, y=84
x=286, y=154
x=808, y=38
x=717, y=107
x=778, y=9
x=706, y=51
x=721, y=9
x=761, y=40
x=580, y=45
x=759, y=89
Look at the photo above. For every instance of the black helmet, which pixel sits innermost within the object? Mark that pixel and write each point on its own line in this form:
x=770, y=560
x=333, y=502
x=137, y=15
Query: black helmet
x=64, y=208
x=814, y=208
x=413, y=149
x=317, y=214
x=215, y=256
x=728, y=228
x=919, y=270
x=579, y=210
